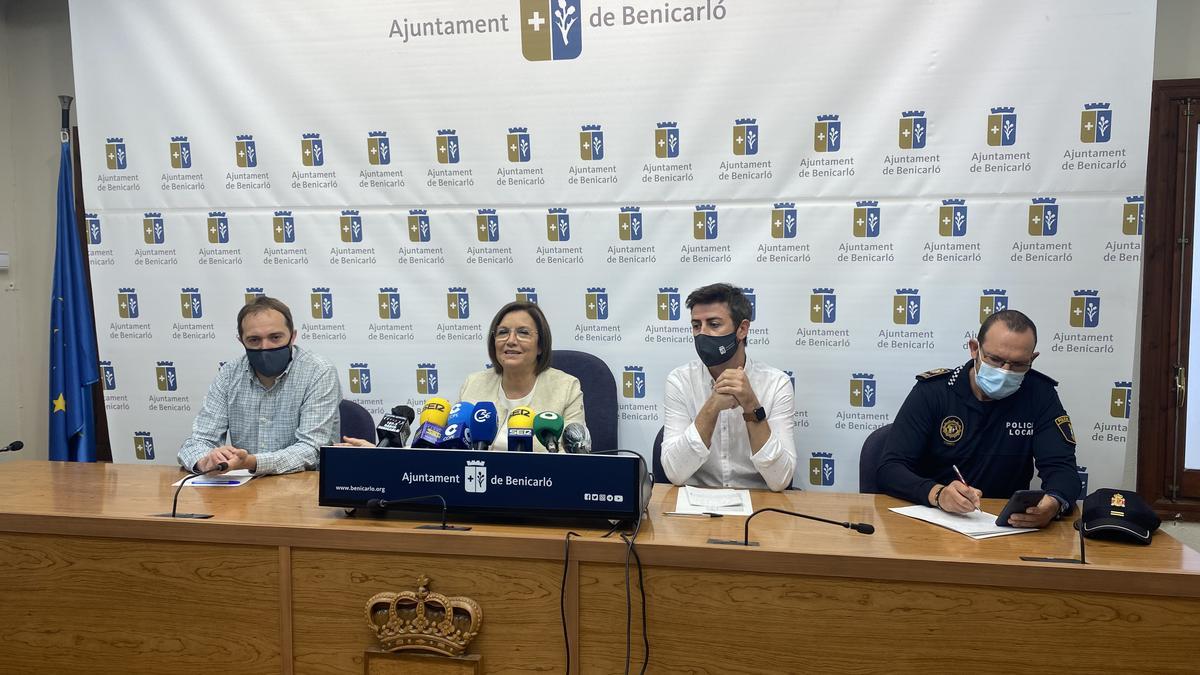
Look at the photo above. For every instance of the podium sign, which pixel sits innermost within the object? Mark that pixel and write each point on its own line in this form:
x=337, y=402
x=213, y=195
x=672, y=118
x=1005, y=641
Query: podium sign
x=522, y=485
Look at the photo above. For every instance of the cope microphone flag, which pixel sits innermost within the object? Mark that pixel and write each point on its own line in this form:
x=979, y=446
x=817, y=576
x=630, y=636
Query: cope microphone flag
x=455, y=436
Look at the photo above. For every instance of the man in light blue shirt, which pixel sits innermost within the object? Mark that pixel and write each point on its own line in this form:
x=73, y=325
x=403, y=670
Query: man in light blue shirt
x=269, y=411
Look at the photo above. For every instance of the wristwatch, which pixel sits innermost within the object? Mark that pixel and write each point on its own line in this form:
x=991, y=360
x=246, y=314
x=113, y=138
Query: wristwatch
x=759, y=414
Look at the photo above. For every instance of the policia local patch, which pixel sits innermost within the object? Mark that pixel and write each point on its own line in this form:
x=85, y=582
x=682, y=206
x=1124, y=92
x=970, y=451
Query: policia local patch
x=1063, y=422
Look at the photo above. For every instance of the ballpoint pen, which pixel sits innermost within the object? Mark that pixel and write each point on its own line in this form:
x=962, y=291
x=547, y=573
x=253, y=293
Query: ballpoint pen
x=964, y=480
x=216, y=482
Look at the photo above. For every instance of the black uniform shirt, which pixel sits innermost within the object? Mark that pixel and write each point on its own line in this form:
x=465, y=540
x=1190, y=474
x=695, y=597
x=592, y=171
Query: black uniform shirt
x=995, y=444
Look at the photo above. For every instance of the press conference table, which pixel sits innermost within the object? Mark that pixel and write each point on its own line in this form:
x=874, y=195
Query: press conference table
x=90, y=582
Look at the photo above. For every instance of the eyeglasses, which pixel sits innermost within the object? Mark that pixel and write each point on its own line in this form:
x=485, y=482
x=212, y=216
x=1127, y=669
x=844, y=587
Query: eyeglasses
x=523, y=334
x=997, y=362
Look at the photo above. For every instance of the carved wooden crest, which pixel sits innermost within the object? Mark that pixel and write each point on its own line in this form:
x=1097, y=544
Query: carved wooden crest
x=424, y=620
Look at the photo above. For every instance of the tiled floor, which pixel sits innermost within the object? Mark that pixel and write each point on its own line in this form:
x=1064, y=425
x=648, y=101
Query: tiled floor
x=1188, y=533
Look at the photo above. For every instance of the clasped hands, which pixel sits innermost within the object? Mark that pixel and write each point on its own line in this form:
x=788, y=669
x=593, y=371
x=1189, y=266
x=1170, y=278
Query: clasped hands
x=236, y=458
x=732, y=389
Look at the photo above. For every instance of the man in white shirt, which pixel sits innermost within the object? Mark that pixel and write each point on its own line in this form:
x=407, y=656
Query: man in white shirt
x=728, y=419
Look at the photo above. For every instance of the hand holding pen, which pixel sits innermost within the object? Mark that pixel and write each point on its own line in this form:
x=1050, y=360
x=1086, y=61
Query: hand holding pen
x=958, y=496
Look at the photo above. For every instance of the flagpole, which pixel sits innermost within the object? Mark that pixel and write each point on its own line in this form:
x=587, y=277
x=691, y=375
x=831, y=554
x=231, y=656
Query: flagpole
x=73, y=359
x=65, y=130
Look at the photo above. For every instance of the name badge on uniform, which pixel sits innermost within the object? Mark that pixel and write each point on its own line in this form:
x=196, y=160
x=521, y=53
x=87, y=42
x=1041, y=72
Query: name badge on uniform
x=951, y=430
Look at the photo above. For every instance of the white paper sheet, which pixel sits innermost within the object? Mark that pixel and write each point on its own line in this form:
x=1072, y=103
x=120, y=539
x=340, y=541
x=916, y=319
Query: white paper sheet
x=707, y=500
x=976, y=525
x=228, y=479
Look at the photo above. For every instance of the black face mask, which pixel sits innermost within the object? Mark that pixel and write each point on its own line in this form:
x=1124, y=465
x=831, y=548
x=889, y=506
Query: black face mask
x=716, y=349
x=270, y=362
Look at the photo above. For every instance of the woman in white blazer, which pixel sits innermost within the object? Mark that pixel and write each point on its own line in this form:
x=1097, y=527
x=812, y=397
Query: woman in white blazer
x=519, y=346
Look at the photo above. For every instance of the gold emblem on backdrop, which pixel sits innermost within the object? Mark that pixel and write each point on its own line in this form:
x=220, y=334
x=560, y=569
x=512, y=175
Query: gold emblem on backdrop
x=423, y=620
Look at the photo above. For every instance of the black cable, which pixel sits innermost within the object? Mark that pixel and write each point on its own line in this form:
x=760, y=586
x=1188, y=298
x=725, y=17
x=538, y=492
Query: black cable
x=629, y=613
x=645, y=628
x=562, y=593
x=642, y=589
x=645, y=467
x=628, y=595
x=629, y=540
x=612, y=530
x=629, y=599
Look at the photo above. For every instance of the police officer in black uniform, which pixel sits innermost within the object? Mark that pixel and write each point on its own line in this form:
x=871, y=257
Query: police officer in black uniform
x=994, y=418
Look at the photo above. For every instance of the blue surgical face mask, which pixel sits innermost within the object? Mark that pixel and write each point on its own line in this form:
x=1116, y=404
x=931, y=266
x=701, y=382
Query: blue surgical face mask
x=270, y=362
x=996, y=383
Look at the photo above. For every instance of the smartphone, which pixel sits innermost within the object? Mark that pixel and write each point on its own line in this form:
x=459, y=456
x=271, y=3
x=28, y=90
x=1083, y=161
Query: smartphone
x=1021, y=500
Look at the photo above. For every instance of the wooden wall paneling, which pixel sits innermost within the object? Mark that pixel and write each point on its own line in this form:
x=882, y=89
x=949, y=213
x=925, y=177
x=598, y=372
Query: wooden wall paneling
x=705, y=622
x=91, y=605
x=521, y=632
x=285, y=608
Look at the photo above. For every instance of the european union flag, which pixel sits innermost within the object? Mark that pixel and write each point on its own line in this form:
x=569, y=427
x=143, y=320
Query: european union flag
x=73, y=359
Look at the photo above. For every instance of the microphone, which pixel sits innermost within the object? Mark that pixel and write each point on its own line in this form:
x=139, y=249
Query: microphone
x=389, y=504
x=12, y=447
x=483, y=427
x=456, y=426
x=863, y=528
x=576, y=439
x=547, y=427
x=433, y=423
x=520, y=429
x=393, y=429
x=222, y=466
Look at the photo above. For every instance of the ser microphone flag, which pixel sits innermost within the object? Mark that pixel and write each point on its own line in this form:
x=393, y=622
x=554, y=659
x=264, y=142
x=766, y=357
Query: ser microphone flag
x=433, y=423
x=520, y=429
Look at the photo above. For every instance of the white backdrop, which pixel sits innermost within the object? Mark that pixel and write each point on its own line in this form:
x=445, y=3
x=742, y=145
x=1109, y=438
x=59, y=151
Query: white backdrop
x=397, y=171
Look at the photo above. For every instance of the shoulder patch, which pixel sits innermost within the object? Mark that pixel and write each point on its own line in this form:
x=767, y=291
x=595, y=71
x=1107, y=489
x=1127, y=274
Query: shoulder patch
x=933, y=374
x=1039, y=375
x=1063, y=422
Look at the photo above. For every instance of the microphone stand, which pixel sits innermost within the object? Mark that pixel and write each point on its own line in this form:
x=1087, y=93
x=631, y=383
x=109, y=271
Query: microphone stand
x=1081, y=560
x=175, y=501
x=864, y=528
x=387, y=504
